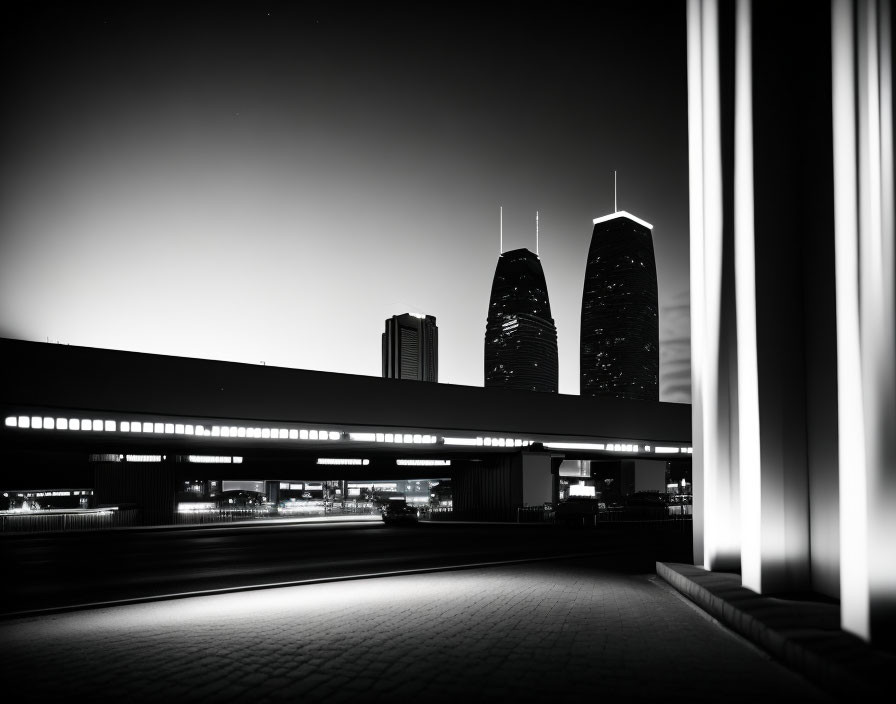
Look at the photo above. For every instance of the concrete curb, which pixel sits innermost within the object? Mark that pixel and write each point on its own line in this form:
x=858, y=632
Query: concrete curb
x=805, y=636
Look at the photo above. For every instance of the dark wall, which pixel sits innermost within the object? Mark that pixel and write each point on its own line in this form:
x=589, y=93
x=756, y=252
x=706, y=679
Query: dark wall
x=148, y=485
x=490, y=490
x=39, y=469
x=795, y=294
x=816, y=192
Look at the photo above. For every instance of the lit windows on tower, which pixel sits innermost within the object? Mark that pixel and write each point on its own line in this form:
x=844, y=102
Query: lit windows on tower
x=619, y=353
x=520, y=335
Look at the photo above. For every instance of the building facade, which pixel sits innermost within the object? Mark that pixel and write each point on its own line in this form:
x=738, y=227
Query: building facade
x=619, y=353
x=411, y=348
x=520, y=335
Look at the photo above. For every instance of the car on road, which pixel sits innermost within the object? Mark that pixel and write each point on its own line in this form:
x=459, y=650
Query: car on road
x=396, y=511
x=578, y=510
x=646, y=505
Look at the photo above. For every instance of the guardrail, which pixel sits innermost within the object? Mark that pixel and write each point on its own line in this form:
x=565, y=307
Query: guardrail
x=534, y=514
x=191, y=518
x=439, y=513
x=75, y=519
x=586, y=515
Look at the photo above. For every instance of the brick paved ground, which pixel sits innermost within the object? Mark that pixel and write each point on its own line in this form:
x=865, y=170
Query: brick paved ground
x=532, y=632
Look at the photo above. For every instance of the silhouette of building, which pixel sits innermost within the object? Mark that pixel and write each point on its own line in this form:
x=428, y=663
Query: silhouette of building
x=619, y=353
x=520, y=336
x=411, y=348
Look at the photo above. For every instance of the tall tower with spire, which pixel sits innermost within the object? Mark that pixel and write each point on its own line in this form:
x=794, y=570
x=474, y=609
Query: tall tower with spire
x=619, y=343
x=520, y=335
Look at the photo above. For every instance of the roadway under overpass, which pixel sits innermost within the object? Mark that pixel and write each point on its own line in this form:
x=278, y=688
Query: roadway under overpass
x=504, y=446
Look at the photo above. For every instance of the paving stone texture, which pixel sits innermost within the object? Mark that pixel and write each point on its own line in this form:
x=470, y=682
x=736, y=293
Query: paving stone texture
x=564, y=631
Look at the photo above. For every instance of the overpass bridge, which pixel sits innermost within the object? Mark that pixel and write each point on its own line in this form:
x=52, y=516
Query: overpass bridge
x=128, y=422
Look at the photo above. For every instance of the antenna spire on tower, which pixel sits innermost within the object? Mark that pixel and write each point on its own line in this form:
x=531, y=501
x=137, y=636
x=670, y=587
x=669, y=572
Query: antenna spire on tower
x=615, y=208
x=536, y=233
x=501, y=247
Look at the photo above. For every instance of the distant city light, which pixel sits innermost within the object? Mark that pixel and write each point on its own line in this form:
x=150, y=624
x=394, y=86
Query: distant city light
x=462, y=441
x=575, y=445
x=238, y=431
x=187, y=507
x=622, y=447
x=495, y=442
x=213, y=459
x=582, y=490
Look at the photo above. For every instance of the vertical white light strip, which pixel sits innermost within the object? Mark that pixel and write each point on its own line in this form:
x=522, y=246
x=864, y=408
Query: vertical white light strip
x=718, y=531
x=887, y=175
x=883, y=550
x=695, y=177
x=850, y=414
x=712, y=234
x=745, y=296
x=877, y=306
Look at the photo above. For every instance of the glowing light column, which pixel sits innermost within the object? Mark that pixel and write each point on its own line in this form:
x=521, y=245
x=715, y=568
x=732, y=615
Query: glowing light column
x=750, y=455
x=864, y=233
x=716, y=505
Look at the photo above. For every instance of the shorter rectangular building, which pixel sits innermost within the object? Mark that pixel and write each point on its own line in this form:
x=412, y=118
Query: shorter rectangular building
x=411, y=348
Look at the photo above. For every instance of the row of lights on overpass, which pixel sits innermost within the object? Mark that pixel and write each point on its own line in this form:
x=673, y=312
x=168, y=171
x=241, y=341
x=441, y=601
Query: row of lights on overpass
x=277, y=433
x=226, y=459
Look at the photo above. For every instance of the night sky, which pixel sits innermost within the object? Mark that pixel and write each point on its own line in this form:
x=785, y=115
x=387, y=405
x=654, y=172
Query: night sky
x=269, y=181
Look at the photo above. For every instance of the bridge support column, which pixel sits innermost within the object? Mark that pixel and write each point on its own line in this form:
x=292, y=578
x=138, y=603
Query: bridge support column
x=538, y=482
x=147, y=485
x=650, y=475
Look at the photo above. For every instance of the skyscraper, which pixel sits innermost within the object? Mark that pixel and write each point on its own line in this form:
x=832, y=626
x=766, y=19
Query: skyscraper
x=620, y=323
x=411, y=348
x=520, y=336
